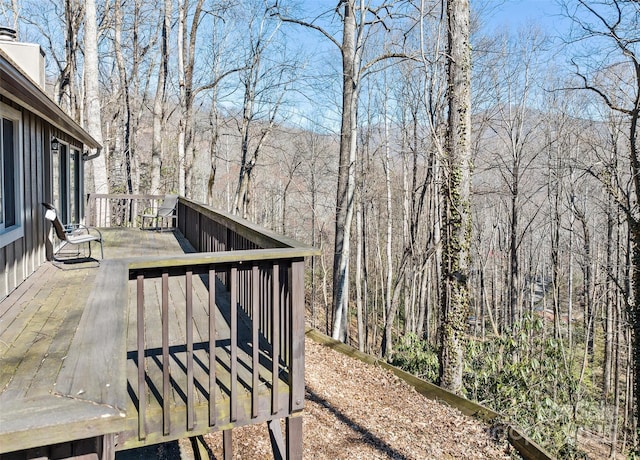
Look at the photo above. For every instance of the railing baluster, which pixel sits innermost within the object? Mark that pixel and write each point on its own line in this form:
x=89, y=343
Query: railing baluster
x=212, y=346
x=285, y=311
x=234, y=344
x=189, y=331
x=264, y=302
x=255, y=318
x=100, y=223
x=275, y=340
x=166, y=411
x=142, y=397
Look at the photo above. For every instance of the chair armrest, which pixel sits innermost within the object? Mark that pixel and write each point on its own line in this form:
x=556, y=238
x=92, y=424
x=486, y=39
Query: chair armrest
x=93, y=229
x=76, y=229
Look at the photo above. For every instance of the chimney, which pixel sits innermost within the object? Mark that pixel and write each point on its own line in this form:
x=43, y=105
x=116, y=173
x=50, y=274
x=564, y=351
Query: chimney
x=28, y=56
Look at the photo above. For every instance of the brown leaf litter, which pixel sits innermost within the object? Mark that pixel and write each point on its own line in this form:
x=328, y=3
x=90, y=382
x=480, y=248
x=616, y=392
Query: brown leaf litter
x=355, y=410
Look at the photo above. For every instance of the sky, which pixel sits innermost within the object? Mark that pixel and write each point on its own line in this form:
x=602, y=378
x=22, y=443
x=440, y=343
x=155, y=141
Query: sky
x=514, y=14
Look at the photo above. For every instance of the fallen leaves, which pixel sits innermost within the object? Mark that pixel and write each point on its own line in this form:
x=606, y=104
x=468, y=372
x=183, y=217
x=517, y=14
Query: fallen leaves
x=358, y=411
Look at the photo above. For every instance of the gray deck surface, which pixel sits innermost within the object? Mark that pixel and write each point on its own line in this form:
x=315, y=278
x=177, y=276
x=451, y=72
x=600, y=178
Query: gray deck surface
x=44, y=327
x=38, y=322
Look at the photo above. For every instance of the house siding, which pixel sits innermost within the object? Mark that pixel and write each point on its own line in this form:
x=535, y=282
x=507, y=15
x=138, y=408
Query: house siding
x=22, y=257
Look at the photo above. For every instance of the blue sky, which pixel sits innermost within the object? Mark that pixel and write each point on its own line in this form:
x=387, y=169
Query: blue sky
x=513, y=14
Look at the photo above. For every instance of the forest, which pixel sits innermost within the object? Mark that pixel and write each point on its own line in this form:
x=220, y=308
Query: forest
x=327, y=121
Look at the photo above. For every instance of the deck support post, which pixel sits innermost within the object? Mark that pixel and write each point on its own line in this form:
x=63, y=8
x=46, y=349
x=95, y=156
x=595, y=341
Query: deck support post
x=294, y=437
x=200, y=449
x=227, y=444
x=108, y=447
x=289, y=448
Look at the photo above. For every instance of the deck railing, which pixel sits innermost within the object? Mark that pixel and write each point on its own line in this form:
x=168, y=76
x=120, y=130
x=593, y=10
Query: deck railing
x=245, y=277
x=260, y=294
x=119, y=210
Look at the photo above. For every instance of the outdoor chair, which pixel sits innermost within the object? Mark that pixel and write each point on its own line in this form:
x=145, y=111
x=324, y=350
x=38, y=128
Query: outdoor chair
x=74, y=234
x=166, y=211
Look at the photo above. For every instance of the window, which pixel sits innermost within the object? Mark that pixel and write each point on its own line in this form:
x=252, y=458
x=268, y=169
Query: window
x=10, y=176
x=66, y=183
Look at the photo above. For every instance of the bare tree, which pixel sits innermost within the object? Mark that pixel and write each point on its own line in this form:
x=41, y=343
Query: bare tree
x=264, y=82
x=610, y=69
x=10, y=12
x=67, y=84
x=187, y=33
x=359, y=18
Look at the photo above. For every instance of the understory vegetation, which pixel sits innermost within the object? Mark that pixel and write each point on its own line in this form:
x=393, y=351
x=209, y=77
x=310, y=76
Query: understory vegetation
x=534, y=380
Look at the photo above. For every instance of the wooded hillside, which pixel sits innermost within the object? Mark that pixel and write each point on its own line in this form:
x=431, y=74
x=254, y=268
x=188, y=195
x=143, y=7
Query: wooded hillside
x=328, y=122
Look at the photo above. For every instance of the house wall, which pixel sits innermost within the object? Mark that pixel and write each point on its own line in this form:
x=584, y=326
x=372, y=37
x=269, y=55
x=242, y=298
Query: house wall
x=19, y=259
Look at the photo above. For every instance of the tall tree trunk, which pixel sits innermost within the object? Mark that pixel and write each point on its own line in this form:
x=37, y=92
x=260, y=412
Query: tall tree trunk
x=67, y=91
x=125, y=103
x=160, y=100
x=346, y=172
x=456, y=194
x=358, y=275
x=514, y=262
x=92, y=99
x=617, y=335
x=186, y=62
x=389, y=304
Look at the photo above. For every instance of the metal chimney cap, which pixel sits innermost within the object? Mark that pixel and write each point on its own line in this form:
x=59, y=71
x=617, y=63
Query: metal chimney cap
x=7, y=33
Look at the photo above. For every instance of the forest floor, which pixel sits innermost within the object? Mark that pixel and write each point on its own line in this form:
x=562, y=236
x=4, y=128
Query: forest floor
x=359, y=411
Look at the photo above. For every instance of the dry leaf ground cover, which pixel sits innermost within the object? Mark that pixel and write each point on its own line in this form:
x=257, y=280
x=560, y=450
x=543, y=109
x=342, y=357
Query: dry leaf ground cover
x=359, y=411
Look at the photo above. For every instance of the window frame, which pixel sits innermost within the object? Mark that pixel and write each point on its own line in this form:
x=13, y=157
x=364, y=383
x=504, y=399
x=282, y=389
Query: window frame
x=67, y=183
x=16, y=231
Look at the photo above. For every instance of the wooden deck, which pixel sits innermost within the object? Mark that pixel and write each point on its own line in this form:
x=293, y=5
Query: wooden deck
x=69, y=353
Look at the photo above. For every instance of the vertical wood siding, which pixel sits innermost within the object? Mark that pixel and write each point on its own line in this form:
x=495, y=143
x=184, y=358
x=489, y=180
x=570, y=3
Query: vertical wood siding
x=19, y=259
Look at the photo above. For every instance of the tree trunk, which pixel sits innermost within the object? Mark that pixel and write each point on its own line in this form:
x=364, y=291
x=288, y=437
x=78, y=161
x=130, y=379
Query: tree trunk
x=358, y=275
x=514, y=263
x=389, y=304
x=92, y=101
x=159, y=101
x=346, y=173
x=67, y=91
x=124, y=108
x=186, y=63
x=456, y=191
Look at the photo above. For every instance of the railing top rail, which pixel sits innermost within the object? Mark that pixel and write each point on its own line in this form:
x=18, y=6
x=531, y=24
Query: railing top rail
x=246, y=229
x=120, y=196
x=226, y=257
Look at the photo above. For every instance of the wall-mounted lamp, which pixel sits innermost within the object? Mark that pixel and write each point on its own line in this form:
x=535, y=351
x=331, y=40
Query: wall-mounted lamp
x=55, y=144
x=85, y=155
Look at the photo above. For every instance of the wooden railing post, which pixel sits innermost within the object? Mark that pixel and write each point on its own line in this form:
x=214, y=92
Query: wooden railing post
x=275, y=340
x=142, y=394
x=296, y=338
